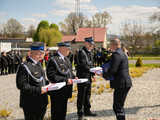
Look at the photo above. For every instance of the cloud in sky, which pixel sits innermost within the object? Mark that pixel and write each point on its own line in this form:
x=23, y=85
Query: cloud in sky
x=120, y=15
x=57, y=10
x=67, y=6
x=39, y=15
x=60, y=12
x=70, y=3
x=2, y=16
x=89, y=8
x=26, y=22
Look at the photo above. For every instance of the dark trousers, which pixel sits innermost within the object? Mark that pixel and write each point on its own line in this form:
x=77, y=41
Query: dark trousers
x=83, y=99
x=16, y=67
x=58, y=107
x=10, y=69
x=38, y=115
x=118, y=102
x=4, y=70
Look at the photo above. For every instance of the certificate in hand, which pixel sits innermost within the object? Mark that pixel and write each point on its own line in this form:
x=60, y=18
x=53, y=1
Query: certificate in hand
x=55, y=86
x=97, y=70
x=79, y=80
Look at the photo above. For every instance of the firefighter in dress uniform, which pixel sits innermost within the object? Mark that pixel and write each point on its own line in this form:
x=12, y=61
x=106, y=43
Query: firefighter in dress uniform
x=30, y=80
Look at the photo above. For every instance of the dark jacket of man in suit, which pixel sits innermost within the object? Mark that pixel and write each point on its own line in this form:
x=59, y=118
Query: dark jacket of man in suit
x=122, y=82
x=59, y=70
x=120, y=70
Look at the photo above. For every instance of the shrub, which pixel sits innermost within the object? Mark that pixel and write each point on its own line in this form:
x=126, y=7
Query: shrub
x=107, y=85
x=4, y=113
x=138, y=72
x=139, y=62
x=100, y=89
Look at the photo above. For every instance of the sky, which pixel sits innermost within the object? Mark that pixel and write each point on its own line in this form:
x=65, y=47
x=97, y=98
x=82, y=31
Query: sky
x=29, y=12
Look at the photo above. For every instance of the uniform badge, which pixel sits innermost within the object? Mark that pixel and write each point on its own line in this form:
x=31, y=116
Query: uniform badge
x=35, y=73
x=33, y=64
x=60, y=58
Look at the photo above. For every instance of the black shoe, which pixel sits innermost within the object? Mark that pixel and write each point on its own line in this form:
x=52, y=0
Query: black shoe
x=89, y=113
x=81, y=118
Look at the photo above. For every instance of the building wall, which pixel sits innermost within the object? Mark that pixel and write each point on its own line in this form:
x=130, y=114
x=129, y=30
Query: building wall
x=105, y=41
x=5, y=46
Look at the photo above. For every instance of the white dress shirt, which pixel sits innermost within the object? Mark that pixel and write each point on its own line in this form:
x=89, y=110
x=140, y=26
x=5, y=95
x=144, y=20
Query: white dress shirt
x=33, y=60
x=62, y=56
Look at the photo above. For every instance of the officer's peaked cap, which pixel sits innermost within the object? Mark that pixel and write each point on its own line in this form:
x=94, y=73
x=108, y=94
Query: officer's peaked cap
x=37, y=46
x=89, y=39
x=64, y=44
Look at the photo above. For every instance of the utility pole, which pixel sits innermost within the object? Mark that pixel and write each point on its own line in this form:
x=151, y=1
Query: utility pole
x=77, y=13
x=77, y=7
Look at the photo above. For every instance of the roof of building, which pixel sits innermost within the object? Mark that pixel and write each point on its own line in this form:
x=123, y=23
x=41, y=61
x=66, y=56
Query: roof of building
x=98, y=34
x=16, y=39
x=67, y=38
x=12, y=38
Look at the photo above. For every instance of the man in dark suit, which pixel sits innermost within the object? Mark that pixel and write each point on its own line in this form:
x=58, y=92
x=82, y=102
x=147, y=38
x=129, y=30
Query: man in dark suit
x=84, y=63
x=17, y=60
x=30, y=80
x=0, y=64
x=59, y=69
x=10, y=62
x=4, y=61
x=122, y=82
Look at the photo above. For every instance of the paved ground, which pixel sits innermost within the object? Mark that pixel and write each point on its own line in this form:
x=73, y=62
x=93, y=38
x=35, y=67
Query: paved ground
x=143, y=101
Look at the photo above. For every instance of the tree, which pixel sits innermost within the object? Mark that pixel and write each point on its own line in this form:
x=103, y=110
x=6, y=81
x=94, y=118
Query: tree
x=157, y=43
x=132, y=35
x=88, y=23
x=57, y=37
x=155, y=17
x=1, y=30
x=13, y=28
x=101, y=19
x=72, y=22
x=31, y=31
x=148, y=42
x=42, y=25
x=50, y=36
x=54, y=26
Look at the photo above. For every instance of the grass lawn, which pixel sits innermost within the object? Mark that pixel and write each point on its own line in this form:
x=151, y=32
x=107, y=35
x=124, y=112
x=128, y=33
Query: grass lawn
x=145, y=58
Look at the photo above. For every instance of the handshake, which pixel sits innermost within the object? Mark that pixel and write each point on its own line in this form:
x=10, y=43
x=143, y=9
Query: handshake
x=102, y=70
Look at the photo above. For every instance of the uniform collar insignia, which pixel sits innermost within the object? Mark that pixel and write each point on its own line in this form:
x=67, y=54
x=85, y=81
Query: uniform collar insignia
x=33, y=64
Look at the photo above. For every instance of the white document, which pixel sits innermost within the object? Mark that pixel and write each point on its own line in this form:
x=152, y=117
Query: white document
x=55, y=86
x=79, y=80
x=97, y=70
